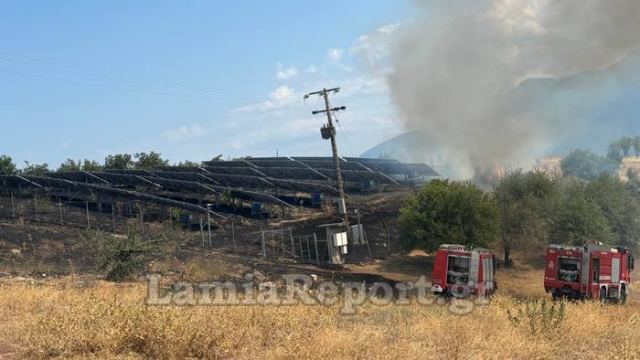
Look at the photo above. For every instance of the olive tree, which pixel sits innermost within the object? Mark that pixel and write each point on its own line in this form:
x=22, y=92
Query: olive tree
x=523, y=201
x=448, y=212
x=6, y=165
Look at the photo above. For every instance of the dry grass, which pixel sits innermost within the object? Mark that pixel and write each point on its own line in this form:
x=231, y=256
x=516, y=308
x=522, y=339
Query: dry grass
x=58, y=319
x=521, y=282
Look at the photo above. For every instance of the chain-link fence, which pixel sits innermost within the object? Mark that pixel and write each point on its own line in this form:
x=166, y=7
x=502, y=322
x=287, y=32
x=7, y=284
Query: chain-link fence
x=283, y=244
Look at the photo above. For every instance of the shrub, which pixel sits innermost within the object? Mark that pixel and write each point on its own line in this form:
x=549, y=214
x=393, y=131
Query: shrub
x=539, y=316
x=122, y=257
x=448, y=212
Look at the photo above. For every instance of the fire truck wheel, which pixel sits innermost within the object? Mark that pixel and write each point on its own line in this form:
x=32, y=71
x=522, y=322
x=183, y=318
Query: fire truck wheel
x=623, y=295
x=555, y=296
x=603, y=295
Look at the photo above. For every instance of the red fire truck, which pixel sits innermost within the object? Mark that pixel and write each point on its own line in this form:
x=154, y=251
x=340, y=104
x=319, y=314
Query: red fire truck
x=460, y=272
x=592, y=271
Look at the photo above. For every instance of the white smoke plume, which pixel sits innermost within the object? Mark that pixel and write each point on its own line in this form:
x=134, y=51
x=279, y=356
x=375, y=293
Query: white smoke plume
x=456, y=69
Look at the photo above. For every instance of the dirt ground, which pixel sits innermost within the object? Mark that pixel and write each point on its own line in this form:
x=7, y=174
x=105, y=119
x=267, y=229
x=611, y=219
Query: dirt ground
x=55, y=304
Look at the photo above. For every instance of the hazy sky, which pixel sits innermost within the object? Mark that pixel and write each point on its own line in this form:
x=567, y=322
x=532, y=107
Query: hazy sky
x=194, y=79
x=191, y=79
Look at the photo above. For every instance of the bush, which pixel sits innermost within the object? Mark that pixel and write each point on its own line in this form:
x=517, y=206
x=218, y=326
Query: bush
x=448, y=212
x=123, y=257
x=539, y=317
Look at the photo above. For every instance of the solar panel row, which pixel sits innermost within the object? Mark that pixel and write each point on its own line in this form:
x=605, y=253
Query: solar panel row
x=389, y=167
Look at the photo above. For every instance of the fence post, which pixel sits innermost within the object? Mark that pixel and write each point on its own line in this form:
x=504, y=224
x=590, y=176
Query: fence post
x=306, y=238
x=86, y=206
x=315, y=244
x=35, y=203
x=60, y=211
x=293, y=245
x=264, y=245
x=301, y=252
x=202, y=231
x=233, y=236
x=113, y=215
x=13, y=210
x=364, y=233
x=209, y=222
x=282, y=245
x=141, y=219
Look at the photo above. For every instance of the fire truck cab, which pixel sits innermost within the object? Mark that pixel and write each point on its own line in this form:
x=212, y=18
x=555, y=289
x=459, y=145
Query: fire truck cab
x=592, y=271
x=459, y=272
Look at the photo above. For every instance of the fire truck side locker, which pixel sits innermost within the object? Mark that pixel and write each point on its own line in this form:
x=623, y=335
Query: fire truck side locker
x=584, y=287
x=615, y=270
x=473, y=268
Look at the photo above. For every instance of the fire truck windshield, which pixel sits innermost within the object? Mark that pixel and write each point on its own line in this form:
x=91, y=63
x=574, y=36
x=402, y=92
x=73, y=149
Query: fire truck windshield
x=458, y=270
x=568, y=269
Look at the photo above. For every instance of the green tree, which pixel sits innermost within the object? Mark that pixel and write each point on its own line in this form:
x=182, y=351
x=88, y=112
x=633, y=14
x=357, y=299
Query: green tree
x=149, y=160
x=35, y=169
x=6, y=165
x=577, y=219
x=91, y=165
x=636, y=145
x=523, y=201
x=614, y=152
x=86, y=165
x=619, y=206
x=587, y=165
x=626, y=144
x=448, y=212
x=69, y=165
x=189, y=163
x=118, y=161
x=621, y=148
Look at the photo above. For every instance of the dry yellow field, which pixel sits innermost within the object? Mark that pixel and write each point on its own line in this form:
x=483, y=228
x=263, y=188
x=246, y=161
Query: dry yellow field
x=58, y=319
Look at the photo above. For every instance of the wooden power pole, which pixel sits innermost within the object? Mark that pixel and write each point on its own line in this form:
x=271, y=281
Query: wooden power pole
x=328, y=131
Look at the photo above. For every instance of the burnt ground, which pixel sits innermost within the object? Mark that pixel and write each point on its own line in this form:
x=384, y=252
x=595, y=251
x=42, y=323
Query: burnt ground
x=38, y=248
x=31, y=247
x=38, y=245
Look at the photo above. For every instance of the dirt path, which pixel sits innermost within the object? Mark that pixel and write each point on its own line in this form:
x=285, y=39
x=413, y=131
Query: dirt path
x=398, y=267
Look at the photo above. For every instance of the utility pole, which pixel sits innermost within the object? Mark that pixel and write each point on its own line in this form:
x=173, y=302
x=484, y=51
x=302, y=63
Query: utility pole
x=328, y=131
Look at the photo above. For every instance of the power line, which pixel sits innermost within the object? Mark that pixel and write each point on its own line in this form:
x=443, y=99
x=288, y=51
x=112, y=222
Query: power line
x=76, y=82
x=344, y=135
x=133, y=79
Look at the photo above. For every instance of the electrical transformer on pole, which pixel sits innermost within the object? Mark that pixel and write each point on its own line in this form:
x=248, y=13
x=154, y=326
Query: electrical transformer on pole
x=328, y=131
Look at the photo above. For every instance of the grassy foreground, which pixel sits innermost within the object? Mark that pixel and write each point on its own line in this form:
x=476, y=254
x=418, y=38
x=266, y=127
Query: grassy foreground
x=58, y=319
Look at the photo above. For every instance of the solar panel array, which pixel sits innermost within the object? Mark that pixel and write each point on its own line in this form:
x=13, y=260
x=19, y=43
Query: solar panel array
x=274, y=180
x=298, y=174
x=60, y=183
x=381, y=171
